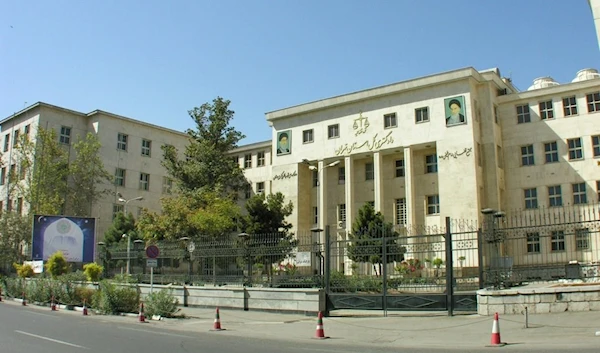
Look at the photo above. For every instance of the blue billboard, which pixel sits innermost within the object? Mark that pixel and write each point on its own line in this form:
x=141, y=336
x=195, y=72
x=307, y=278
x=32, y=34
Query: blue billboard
x=73, y=236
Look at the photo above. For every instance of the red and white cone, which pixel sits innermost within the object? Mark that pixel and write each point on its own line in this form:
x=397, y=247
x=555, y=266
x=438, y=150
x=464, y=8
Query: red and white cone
x=141, y=316
x=85, y=311
x=24, y=302
x=0, y=294
x=320, y=334
x=52, y=304
x=217, y=323
x=496, y=341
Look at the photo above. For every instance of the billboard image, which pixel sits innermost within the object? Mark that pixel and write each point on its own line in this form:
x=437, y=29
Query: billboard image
x=73, y=236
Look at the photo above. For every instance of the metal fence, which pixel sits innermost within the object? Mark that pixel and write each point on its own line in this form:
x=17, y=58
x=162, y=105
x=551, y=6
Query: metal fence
x=539, y=245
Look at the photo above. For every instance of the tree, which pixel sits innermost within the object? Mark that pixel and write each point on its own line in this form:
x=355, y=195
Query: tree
x=43, y=171
x=57, y=265
x=92, y=271
x=15, y=234
x=270, y=240
x=369, y=233
x=206, y=165
x=121, y=225
x=86, y=173
x=24, y=271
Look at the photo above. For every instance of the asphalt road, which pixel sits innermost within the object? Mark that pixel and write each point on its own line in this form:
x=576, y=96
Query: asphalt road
x=32, y=330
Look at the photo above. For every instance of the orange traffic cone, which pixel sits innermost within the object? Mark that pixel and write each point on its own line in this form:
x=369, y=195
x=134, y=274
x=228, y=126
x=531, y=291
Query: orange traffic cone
x=52, y=304
x=217, y=323
x=0, y=294
x=85, y=311
x=24, y=302
x=320, y=334
x=496, y=333
x=141, y=316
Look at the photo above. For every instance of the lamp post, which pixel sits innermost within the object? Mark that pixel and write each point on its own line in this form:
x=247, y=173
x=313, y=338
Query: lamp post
x=137, y=241
x=190, y=247
x=103, y=257
x=245, y=238
x=125, y=202
x=494, y=237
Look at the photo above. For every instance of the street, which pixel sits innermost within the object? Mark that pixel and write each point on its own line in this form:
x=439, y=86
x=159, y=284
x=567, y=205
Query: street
x=33, y=329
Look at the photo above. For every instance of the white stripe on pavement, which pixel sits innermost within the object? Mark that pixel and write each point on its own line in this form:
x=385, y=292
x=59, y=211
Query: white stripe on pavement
x=50, y=339
x=153, y=332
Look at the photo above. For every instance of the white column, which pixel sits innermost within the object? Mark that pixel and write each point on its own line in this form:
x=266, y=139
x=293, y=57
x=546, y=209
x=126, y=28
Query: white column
x=409, y=187
x=322, y=197
x=378, y=181
x=349, y=188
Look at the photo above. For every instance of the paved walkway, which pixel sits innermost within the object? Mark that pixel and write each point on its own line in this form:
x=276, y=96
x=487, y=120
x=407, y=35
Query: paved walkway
x=407, y=329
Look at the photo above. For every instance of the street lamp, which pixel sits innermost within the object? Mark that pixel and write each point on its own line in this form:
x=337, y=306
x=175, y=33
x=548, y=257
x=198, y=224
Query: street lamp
x=190, y=246
x=121, y=199
x=137, y=241
x=245, y=238
x=498, y=265
x=103, y=257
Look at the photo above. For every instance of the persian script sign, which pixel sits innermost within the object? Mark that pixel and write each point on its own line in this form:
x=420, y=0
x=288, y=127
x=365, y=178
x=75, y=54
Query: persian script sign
x=285, y=175
x=372, y=144
x=467, y=152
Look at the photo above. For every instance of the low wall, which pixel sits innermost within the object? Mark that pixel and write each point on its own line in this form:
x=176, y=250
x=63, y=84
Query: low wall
x=289, y=300
x=542, y=300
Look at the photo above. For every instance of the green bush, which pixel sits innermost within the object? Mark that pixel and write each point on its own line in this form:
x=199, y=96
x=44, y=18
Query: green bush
x=111, y=299
x=92, y=271
x=57, y=265
x=85, y=294
x=24, y=271
x=161, y=303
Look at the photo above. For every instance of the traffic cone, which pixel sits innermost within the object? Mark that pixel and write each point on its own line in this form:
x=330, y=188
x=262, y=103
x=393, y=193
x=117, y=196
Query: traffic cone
x=320, y=334
x=0, y=294
x=141, y=316
x=496, y=333
x=24, y=302
x=217, y=323
x=85, y=311
x=52, y=304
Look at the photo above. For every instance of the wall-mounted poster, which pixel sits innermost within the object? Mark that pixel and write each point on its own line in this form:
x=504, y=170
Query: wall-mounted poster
x=73, y=236
x=284, y=142
x=455, y=111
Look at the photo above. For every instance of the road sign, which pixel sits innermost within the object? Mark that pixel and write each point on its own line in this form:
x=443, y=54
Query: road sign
x=151, y=263
x=191, y=246
x=152, y=251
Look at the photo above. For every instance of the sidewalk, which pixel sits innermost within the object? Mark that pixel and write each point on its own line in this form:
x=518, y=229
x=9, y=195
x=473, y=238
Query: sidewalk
x=403, y=329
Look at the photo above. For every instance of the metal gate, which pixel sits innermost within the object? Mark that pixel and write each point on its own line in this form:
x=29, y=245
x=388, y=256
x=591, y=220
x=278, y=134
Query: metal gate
x=380, y=269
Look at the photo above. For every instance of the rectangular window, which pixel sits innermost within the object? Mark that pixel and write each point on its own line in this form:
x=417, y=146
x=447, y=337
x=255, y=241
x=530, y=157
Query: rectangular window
x=422, y=115
x=117, y=208
x=248, y=192
x=554, y=196
x=551, y=152
x=527, y=155
x=3, y=176
x=144, y=181
x=496, y=114
x=6, y=142
x=546, y=110
x=65, y=135
x=333, y=131
x=146, y=147
x=579, y=195
x=389, y=120
x=315, y=215
x=167, y=187
x=433, y=204
x=533, y=243
x=431, y=164
x=120, y=177
x=341, y=175
x=582, y=239
x=26, y=130
x=20, y=205
x=593, y=102
x=307, y=136
x=9, y=205
x=248, y=160
x=342, y=213
x=401, y=215
x=399, y=168
x=500, y=156
x=260, y=159
x=369, y=171
x=315, y=178
x=558, y=240
x=570, y=106
x=122, y=142
x=260, y=187
x=16, y=138
x=597, y=190
x=22, y=171
x=12, y=173
x=575, y=148
x=530, y=198
x=236, y=161
x=523, y=114
x=596, y=145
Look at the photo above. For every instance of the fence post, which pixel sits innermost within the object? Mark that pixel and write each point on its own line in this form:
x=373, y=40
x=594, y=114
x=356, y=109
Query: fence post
x=384, y=274
x=327, y=269
x=449, y=270
x=480, y=257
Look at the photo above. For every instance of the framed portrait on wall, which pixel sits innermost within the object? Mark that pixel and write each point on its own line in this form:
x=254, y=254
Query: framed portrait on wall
x=455, y=111
x=284, y=142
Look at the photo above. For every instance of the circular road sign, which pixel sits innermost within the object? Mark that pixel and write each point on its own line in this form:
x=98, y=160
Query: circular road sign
x=152, y=251
x=191, y=247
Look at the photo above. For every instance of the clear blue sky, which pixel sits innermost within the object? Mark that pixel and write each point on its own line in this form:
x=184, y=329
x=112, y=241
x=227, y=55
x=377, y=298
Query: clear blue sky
x=153, y=60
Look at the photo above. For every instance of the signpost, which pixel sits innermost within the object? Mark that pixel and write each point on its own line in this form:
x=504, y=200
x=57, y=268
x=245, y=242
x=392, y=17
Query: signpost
x=152, y=253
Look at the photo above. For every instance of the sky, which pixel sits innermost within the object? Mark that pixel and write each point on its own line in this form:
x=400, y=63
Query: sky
x=154, y=60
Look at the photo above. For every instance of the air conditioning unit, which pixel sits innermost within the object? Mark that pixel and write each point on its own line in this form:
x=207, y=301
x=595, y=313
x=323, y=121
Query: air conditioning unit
x=342, y=225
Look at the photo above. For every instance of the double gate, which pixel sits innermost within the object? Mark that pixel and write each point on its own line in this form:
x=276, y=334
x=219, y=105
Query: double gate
x=382, y=270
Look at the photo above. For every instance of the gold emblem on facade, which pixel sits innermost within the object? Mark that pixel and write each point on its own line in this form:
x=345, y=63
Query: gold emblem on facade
x=360, y=125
